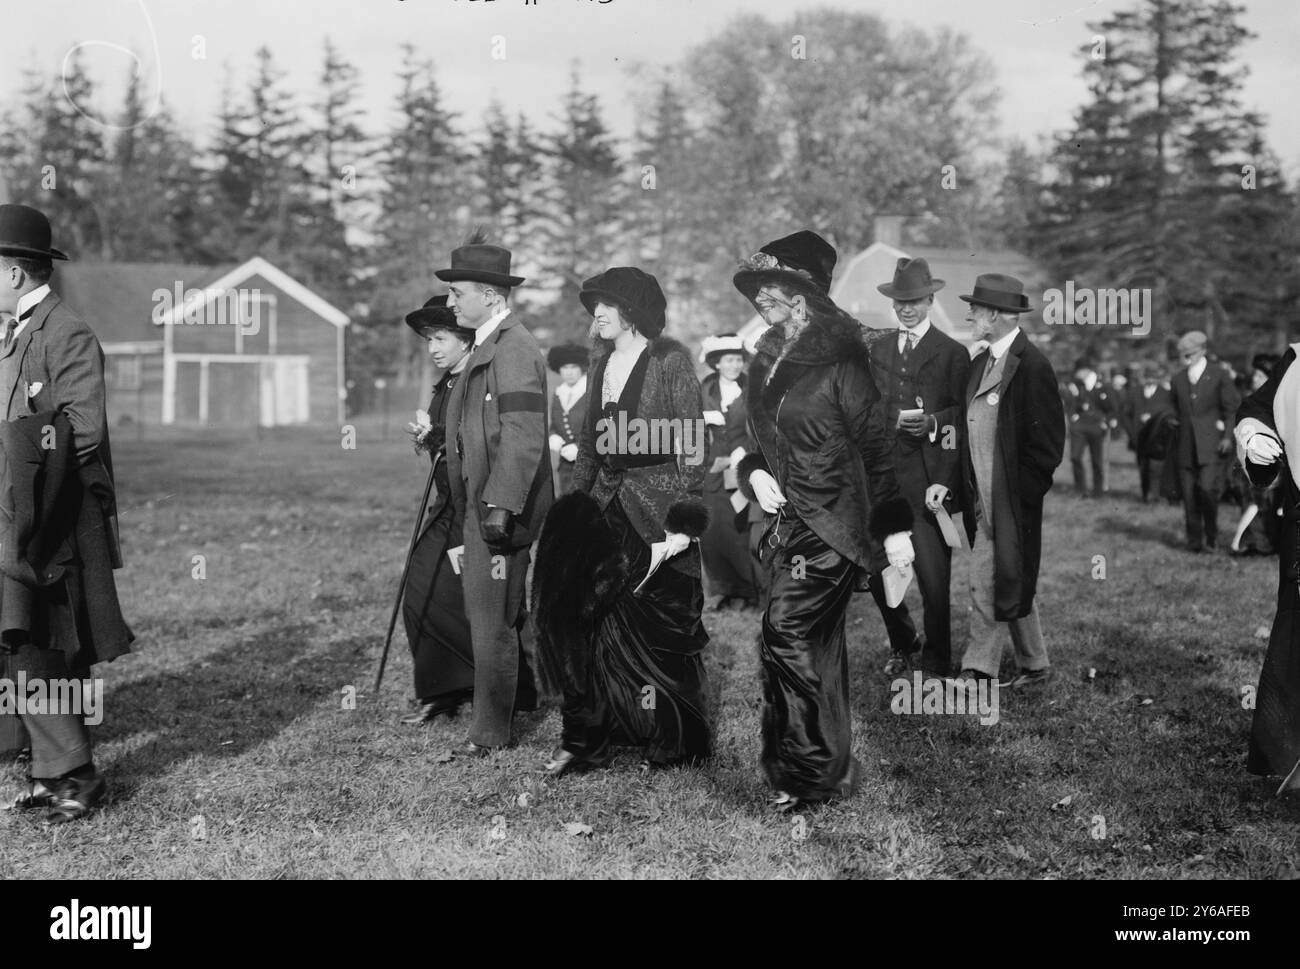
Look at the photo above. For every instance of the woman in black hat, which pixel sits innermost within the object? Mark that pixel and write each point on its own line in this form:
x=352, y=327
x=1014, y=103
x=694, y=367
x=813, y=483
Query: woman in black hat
x=616, y=589
x=728, y=565
x=819, y=464
x=433, y=605
x=568, y=409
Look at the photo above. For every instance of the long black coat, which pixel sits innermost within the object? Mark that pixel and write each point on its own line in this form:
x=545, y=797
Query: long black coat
x=818, y=427
x=1030, y=446
x=731, y=435
x=1205, y=412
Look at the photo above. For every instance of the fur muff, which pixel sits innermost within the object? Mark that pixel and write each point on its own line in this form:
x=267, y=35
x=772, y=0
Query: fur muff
x=580, y=570
x=687, y=517
x=751, y=462
x=888, y=517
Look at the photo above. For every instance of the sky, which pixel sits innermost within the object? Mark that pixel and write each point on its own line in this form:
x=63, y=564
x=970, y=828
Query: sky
x=1034, y=45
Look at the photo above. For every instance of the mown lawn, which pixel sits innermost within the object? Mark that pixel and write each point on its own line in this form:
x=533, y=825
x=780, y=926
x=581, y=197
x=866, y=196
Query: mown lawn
x=231, y=751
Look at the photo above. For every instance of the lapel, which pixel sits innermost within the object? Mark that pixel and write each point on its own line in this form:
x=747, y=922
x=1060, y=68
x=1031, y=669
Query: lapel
x=976, y=375
x=925, y=348
x=18, y=349
x=990, y=378
x=480, y=357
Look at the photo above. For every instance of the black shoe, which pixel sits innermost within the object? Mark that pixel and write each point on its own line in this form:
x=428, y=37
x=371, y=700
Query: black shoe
x=968, y=676
x=428, y=712
x=37, y=795
x=470, y=750
x=897, y=664
x=1031, y=678
x=72, y=798
x=564, y=762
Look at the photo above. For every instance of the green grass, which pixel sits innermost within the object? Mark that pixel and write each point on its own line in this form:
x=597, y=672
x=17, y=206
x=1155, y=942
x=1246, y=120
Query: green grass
x=230, y=754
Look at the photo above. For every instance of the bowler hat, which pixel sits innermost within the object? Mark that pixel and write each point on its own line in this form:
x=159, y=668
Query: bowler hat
x=803, y=262
x=912, y=280
x=25, y=231
x=566, y=354
x=1000, y=292
x=715, y=347
x=435, y=315
x=480, y=263
x=634, y=292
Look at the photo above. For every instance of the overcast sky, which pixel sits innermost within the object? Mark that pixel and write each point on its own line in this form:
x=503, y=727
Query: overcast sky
x=1034, y=43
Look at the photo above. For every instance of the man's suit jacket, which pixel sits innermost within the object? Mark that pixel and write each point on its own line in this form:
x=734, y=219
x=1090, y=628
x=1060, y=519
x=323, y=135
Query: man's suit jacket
x=936, y=371
x=497, y=450
x=1089, y=409
x=1028, y=447
x=1205, y=412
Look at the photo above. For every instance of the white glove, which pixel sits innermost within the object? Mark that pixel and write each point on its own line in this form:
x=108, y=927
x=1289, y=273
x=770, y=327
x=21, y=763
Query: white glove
x=1262, y=448
x=715, y=418
x=898, y=549
x=556, y=442
x=766, y=491
x=737, y=456
x=934, y=496
x=677, y=543
x=569, y=452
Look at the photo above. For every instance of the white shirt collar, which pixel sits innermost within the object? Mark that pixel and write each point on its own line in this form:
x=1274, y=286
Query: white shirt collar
x=29, y=300
x=918, y=331
x=481, y=333
x=569, y=395
x=1090, y=381
x=728, y=391
x=1195, y=370
x=999, y=349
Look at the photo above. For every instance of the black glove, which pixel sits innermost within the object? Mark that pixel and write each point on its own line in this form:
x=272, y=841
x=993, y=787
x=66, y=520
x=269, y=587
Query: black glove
x=496, y=526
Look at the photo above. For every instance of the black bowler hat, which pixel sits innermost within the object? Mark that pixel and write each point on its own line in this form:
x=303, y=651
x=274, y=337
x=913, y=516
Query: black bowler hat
x=434, y=315
x=25, y=231
x=479, y=263
x=636, y=293
x=566, y=354
x=803, y=262
x=912, y=280
x=1000, y=292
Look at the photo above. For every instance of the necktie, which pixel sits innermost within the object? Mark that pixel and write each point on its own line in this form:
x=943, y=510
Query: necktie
x=908, y=343
x=993, y=362
x=10, y=327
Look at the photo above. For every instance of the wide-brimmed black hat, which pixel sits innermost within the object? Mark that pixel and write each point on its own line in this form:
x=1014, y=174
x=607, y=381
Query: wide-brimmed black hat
x=912, y=280
x=636, y=293
x=435, y=315
x=803, y=262
x=25, y=231
x=714, y=348
x=999, y=291
x=480, y=263
x=566, y=354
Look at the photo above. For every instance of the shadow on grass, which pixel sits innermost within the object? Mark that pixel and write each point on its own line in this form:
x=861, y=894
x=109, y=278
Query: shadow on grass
x=238, y=699
x=1140, y=531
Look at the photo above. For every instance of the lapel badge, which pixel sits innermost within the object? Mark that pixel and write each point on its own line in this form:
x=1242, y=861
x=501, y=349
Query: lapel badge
x=993, y=399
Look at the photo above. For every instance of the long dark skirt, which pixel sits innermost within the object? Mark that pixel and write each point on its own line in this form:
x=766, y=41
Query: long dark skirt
x=807, y=722
x=644, y=680
x=1275, y=732
x=433, y=611
x=728, y=567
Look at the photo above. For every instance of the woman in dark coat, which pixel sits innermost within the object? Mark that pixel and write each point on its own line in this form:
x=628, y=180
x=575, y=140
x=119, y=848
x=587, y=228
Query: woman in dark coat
x=568, y=409
x=729, y=568
x=819, y=461
x=1268, y=444
x=433, y=605
x=626, y=650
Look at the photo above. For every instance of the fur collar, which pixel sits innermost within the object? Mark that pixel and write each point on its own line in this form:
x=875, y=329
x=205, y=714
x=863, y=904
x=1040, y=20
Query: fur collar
x=828, y=339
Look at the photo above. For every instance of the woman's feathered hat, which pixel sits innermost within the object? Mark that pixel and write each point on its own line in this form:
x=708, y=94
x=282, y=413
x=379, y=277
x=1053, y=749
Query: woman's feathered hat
x=803, y=263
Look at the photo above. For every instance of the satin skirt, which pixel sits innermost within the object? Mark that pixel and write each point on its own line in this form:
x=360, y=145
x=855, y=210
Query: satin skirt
x=644, y=681
x=433, y=611
x=1275, y=731
x=807, y=721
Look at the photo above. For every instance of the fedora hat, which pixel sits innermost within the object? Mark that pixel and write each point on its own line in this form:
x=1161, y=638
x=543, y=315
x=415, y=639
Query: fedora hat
x=25, y=231
x=480, y=263
x=912, y=280
x=1000, y=292
x=803, y=262
x=434, y=315
x=634, y=292
x=567, y=354
x=715, y=347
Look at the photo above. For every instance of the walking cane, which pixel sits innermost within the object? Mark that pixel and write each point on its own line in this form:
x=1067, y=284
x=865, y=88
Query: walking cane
x=401, y=586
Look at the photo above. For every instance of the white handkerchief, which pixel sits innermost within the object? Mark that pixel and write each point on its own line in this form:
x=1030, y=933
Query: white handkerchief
x=949, y=530
x=738, y=501
x=658, y=552
x=34, y=389
x=896, y=583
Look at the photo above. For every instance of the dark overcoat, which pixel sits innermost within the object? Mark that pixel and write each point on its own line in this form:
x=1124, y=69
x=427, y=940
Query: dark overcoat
x=1205, y=412
x=818, y=427
x=1030, y=446
x=731, y=435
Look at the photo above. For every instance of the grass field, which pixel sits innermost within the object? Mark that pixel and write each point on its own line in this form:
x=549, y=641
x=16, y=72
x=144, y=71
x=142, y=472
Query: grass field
x=231, y=751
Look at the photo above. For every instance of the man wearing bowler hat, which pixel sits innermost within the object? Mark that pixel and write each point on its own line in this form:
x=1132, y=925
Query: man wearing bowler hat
x=1205, y=405
x=60, y=611
x=922, y=378
x=500, y=473
x=1014, y=441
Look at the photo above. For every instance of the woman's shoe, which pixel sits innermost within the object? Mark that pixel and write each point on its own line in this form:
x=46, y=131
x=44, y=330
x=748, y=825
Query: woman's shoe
x=428, y=712
x=563, y=762
x=784, y=802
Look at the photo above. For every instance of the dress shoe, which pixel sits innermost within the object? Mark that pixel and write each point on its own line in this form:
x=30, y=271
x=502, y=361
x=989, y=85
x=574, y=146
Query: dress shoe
x=783, y=803
x=37, y=794
x=1031, y=678
x=72, y=798
x=428, y=712
x=471, y=750
x=563, y=762
x=897, y=664
x=969, y=675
